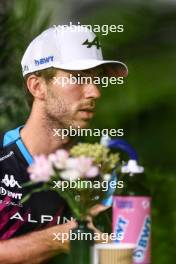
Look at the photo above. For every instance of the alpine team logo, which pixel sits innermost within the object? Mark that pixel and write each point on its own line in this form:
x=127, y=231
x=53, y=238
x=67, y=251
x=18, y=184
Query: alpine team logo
x=10, y=181
x=94, y=42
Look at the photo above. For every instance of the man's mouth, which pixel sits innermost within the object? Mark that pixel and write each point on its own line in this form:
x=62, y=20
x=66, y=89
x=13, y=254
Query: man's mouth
x=87, y=112
x=89, y=106
x=87, y=109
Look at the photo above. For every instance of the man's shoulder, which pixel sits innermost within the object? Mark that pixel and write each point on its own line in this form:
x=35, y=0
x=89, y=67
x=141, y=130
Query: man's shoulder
x=6, y=146
x=4, y=153
x=10, y=136
x=10, y=156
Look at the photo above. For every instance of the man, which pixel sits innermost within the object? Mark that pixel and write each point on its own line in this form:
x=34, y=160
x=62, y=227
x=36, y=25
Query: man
x=26, y=230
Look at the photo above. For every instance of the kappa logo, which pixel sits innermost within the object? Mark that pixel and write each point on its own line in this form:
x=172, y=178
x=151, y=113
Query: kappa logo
x=10, y=181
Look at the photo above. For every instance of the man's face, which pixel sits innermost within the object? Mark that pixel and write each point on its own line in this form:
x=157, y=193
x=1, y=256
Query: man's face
x=71, y=104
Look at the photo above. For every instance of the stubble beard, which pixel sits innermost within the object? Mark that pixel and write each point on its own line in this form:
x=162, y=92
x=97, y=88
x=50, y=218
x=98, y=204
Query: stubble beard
x=58, y=114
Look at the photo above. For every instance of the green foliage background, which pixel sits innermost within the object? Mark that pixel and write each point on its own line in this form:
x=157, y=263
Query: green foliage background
x=144, y=106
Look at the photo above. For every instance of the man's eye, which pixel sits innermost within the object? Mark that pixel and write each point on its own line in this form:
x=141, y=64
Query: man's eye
x=102, y=73
x=77, y=77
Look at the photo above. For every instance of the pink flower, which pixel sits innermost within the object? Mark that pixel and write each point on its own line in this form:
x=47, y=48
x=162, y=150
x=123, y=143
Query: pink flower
x=92, y=172
x=86, y=168
x=59, y=158
x=79, y=167
x=41, y=170
x=72, y=163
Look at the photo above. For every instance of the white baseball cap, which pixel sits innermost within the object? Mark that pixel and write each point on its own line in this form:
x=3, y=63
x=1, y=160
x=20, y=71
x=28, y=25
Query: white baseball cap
x=68, y=48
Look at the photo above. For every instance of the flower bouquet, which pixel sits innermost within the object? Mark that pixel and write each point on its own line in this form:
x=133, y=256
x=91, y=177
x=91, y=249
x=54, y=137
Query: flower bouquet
x=80, y=176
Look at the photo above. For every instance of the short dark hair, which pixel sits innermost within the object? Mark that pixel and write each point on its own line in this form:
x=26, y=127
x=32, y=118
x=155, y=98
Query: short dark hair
x=46, y=74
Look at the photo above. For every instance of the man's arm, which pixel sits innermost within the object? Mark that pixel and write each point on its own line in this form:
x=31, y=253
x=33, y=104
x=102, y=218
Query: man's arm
x=35, y=247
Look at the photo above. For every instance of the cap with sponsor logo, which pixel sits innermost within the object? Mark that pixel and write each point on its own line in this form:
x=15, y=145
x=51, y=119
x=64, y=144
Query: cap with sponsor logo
x=68, y=48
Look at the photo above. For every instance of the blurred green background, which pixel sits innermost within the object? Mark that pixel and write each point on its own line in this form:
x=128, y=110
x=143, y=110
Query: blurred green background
x=144, y=106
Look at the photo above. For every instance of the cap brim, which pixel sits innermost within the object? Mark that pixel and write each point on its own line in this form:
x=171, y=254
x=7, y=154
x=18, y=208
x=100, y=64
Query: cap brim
x=112, y=68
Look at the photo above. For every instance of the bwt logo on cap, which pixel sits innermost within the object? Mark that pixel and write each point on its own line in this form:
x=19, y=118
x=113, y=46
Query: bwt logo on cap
x=43, y=60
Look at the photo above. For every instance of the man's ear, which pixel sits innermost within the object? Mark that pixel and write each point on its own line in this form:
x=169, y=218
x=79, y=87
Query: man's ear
x=37, y=87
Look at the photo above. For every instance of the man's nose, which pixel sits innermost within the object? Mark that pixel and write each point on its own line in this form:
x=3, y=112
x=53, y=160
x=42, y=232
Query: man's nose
x=92, y=91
